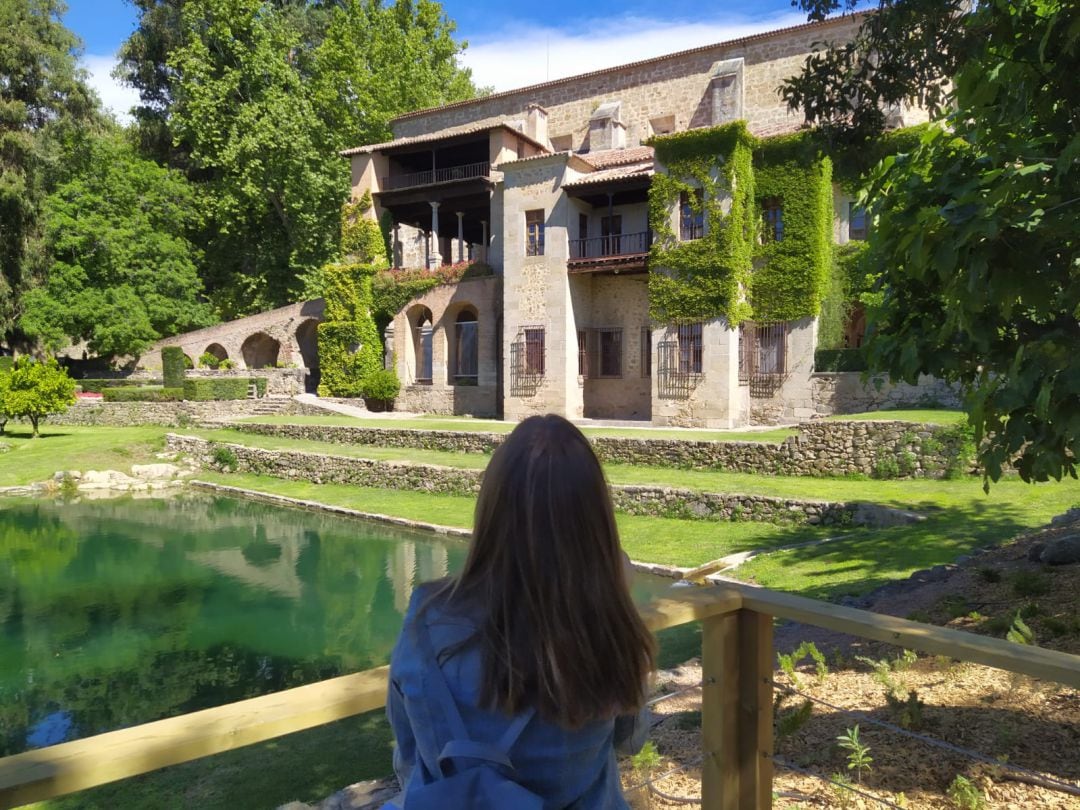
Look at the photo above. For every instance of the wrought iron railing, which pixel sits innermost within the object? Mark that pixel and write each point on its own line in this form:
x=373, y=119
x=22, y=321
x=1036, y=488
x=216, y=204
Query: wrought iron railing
x=620, y=244
x=431, y=176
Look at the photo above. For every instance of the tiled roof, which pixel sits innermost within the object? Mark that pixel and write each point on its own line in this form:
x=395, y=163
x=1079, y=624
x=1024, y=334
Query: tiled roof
x=615, y=157
x=643, y=169
x=474, y=129
x=643, y=63
x=772, y=130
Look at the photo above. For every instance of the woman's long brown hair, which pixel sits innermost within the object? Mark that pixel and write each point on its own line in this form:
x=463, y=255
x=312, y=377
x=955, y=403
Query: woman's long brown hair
x=545, y=568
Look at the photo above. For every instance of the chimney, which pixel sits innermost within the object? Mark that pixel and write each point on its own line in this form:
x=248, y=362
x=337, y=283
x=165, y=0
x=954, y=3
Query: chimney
x=536, y=124
x=726, y=87
x=606, y=129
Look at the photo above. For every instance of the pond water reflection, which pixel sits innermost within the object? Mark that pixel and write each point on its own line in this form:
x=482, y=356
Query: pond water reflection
x=119, y=612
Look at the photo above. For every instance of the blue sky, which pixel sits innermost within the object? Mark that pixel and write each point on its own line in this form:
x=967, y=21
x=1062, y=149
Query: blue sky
x=510, y=44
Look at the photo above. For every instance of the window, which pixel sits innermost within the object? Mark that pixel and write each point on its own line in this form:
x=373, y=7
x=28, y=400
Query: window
x=772, y=214
x=856, y=223
x=763, y=356
x=646, y=352
x=534, y=233
x=690, y=346
x=609, y=352
x=466, y=348
x=582, y=353
x=691, y=215
x=583, y=226
x=422, y=344
x=534, y=351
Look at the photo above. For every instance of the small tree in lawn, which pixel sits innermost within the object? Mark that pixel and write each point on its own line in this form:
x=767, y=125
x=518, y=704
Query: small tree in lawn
x=36, y=388
x=5, y=372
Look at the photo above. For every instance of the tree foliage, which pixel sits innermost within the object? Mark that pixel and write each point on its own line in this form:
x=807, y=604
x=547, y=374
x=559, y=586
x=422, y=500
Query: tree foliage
x=122, y=269
x=978, y=227
x=34, y=389
x=41, y=95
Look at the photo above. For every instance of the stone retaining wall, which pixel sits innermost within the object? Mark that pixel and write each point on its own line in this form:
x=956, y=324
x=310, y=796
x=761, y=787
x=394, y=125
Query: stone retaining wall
x=96, y=412
x=884, y=449
x=635, y=500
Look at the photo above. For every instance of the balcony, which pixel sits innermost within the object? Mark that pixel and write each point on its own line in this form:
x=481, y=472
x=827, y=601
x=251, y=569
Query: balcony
x=468, y=171
x=617, y=252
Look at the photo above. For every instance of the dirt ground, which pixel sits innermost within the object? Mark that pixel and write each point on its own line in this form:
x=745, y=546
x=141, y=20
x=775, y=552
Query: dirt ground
x=1013, y=720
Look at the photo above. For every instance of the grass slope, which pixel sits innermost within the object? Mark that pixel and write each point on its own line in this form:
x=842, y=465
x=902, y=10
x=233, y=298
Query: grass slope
x=61, y=447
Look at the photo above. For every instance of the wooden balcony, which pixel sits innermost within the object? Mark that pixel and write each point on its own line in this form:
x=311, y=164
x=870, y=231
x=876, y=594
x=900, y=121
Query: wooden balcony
x=449, y=174
x=627, y=252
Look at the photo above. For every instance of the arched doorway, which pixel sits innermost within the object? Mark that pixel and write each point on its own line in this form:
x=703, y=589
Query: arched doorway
x=307, y=340
x=260, y=351
x=421, y=334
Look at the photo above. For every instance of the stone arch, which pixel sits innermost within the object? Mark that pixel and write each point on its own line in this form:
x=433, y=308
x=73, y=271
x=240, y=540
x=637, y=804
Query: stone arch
x=217, y=350
x=464, y=344
x=421, y=342
x=308, y=343
x=260, y=350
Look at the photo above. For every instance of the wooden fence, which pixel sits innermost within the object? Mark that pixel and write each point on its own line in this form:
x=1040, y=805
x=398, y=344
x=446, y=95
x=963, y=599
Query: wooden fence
x=737, y=699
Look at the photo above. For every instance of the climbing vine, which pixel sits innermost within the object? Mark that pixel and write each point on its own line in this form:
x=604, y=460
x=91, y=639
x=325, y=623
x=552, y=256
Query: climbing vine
x=707, y=277
x=393, y=288
x=791, y=273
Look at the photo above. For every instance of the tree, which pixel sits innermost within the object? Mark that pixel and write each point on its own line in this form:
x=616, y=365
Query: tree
x=977, y=229
x=41, y=94
x=36, y=388
x=123, y=271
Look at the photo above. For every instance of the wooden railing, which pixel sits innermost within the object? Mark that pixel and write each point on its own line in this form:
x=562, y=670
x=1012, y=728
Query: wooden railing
x=426, y=178
x=621, y=244
x=737, y=722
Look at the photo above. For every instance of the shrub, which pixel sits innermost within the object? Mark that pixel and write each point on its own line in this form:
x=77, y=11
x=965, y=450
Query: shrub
x=96, y=385
x=260, y=386
x=207, y=360
x=381, y=386
x=6, y=363
x=34, y=389
x=148, y=394
x=224, y=458
x=205, y=390
x=886, y=467
x=173, y=365
x=226, y=365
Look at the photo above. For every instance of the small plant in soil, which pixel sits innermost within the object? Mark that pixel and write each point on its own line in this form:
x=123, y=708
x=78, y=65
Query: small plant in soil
x=644, y=763
x=1030, y=583
x=988, y=574
x=907, y=712
x=841, y=790
x=1020, y=633
x=965, y=795
x=807, y=649
x=858, y=756
x=790, y=721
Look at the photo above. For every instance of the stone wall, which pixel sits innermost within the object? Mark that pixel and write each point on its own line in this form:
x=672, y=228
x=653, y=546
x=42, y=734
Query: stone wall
x=95, y=412
x=280, y=382
x=636, y=500
x=821, y=447
x=845, y=392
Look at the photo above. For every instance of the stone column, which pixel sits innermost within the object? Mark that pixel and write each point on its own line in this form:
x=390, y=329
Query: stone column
x=484, y=241
x=434, y=259
x=461, y=236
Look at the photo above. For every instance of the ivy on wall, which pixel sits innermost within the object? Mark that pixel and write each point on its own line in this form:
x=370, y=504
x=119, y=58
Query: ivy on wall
x=791, y=274
x=393, y=289
x=847, y=280
x=703, y=278
x=349, y=346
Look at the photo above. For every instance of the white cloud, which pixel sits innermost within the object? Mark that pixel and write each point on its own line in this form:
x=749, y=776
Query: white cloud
x=116, y=97
x=529, y=54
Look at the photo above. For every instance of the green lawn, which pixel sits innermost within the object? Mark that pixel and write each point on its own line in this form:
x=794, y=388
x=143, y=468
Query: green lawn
x=930, y=416
x=495, y=426
x=74, y=448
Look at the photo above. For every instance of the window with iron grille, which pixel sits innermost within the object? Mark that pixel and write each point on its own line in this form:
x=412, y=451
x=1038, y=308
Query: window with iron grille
x=583, y=353
x=534, y=233
x=856, y=223
x=646, y=352
x=608, y=343
x=527, y=361
x=763, y=357
x=466, y=349
x=772, y=215
x=691, y=215
x=690, y=348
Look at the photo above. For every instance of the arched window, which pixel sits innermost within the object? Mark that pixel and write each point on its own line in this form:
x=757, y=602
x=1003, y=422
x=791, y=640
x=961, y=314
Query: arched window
x=466, y=349
x=420, y=324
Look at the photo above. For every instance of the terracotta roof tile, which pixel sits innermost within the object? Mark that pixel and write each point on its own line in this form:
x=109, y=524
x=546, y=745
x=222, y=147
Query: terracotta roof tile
x=644, y=169
x=615, y=157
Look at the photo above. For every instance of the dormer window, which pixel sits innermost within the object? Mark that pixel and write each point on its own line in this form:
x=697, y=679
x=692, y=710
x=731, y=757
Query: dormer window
x=606, y=129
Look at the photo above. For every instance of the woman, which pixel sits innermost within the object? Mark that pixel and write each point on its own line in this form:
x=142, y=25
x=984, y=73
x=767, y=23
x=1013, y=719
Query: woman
x=534, y=647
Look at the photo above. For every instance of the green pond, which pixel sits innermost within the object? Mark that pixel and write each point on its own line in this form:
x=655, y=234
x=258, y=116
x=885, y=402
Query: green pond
x=122, y=611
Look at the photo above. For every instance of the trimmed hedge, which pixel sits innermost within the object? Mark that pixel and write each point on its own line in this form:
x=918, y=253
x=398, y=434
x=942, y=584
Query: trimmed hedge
x=173, y=366
x=206, y=389
x=839, y=360
x=142, y=394
x=260, y=386
x=94, y=385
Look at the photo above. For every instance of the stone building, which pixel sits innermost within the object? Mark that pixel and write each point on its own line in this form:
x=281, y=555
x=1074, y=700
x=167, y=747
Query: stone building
x=549, y=186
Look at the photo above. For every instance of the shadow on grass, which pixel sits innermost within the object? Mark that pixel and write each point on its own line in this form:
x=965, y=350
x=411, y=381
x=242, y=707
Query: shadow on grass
x=867, y=559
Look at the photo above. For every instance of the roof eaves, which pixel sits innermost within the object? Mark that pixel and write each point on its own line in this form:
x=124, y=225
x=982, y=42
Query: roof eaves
x=437, y=136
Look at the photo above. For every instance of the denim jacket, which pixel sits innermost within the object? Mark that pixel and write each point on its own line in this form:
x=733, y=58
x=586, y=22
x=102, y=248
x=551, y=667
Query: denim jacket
x=568, y=769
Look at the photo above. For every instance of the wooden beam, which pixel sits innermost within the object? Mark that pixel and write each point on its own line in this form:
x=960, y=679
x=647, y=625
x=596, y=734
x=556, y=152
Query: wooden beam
x=1047, y=665
x=755, y=710
x=719, y=724
x=80, y=764
x=691, y=605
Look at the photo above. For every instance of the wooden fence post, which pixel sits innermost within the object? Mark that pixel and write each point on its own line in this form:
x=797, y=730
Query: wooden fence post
x=736, y=712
